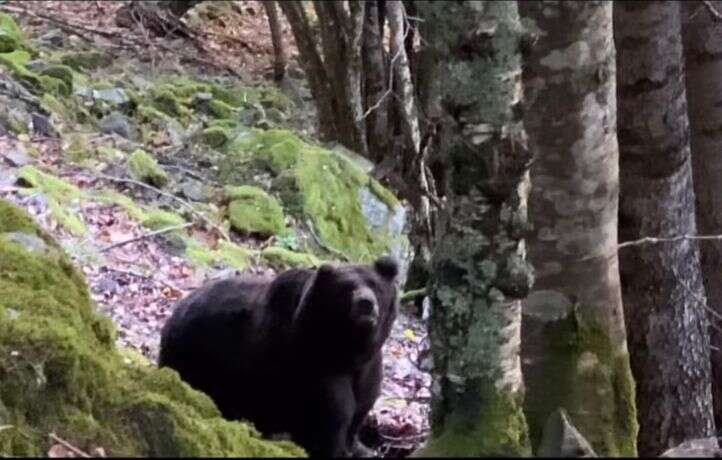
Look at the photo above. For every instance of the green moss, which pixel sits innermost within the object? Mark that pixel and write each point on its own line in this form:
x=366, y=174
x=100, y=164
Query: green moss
x=252, y=210
x=313, y=183
x=220, y=109
x=60, y=196
x=62, y=73
x=54, y=85
x=227, y=253
x=62, y=373
x=489, y=424
x=158, y=219
x=282, y=258
x=167, y=102
x=11, y=37
x=144, y=167
x=215, y=136
x=149, y=114
x=591, y=379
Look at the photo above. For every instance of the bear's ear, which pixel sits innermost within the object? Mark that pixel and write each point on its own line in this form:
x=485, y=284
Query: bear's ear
x=387, y=267
x=324, y=271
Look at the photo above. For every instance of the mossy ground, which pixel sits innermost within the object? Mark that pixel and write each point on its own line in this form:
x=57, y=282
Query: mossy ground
x=61, y=372
x=144, y=167
x=251, y=210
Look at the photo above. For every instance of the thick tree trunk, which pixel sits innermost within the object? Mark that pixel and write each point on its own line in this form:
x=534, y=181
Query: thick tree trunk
x=574, y=349
x=702, y=34
x=667, y=325
x=479, y=268
x=279, y=50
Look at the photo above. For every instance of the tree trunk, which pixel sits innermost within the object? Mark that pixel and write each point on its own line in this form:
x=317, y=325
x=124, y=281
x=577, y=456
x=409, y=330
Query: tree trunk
x=479, y=269
x=702, y=35
x=160, y=17
x=667, y=325
x=574, y=349
x=279, y=50
x=376, y=84
x=318, y=78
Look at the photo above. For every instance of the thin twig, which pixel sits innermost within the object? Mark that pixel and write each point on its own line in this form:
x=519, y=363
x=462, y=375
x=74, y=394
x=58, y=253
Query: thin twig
x=147, y=235
x=185, y=204
x=6, y=427
x=654, y=240
x=145, y=277
x=68, y=446
x=712, y=10
x=391, y=73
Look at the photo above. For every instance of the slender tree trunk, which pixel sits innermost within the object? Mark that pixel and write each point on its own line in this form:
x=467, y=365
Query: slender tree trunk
x=702, y=35
x=479, y=269
x=313, y=66
x=574, y=345
x=279, y=50
x=376, y=84
x=667, y=325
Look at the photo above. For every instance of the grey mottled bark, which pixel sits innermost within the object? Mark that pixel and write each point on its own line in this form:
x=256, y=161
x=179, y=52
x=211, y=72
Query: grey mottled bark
x=479, y=264
x=574, y=350
x=702, y=34
x=664, y=299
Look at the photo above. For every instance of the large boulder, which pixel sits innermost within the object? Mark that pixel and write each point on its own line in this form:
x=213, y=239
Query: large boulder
x=61, y=372
x=347, y=211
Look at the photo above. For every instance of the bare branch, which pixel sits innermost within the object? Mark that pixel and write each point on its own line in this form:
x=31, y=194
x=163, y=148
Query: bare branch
x=68, y=446
x=185, y=204
x=147, y=235
x=712, y=10
x=655, y=240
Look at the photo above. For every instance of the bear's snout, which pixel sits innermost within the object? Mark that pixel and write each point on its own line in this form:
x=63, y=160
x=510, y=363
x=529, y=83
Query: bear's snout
x=365, y=308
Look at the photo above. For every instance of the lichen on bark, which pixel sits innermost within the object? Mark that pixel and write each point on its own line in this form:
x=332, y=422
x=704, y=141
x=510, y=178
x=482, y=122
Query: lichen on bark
x=479, y=267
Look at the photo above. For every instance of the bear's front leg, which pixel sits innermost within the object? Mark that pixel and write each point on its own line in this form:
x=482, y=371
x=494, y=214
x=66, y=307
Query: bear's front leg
x=330, y=409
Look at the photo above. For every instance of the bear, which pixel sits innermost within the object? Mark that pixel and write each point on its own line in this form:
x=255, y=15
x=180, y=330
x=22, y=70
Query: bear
x=298, y=354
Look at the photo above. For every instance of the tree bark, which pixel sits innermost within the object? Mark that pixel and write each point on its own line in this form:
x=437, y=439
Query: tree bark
x=667, y=325
x=574, y=349
x=702, y=35
x=161, y=17
x=318, y=78
x=479, y=271
x=376, y=84
x=279, y=50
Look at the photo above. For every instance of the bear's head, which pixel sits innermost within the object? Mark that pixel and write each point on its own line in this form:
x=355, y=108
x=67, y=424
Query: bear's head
x=347, y=311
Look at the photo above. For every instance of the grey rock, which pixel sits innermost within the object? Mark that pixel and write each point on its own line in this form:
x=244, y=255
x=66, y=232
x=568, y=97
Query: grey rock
x=17, y=155
x=116, y=122
x=27, y=240
x=114, y=96
x=193, y=190
x=561, y=439
x=695, y=448
x=43, y=126
x=381, y=218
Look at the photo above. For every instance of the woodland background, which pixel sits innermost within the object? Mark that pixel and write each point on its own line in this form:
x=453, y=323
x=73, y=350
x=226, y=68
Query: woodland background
x=557, y=163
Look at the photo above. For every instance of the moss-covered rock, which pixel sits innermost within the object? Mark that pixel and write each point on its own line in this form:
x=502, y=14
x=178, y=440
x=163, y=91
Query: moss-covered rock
x=61, y=372
x=350, y=211
x=144, y=167
x=252, y=210
x=282, y=258
x=215, y=136
x=62, y=73
x=158, y=219
x=11, y=37
x=62, y=197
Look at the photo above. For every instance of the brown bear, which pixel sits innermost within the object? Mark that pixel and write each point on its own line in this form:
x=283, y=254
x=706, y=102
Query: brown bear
x=299, y=354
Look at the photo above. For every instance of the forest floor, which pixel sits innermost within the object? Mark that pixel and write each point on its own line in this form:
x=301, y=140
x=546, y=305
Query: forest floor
x=136, y=283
